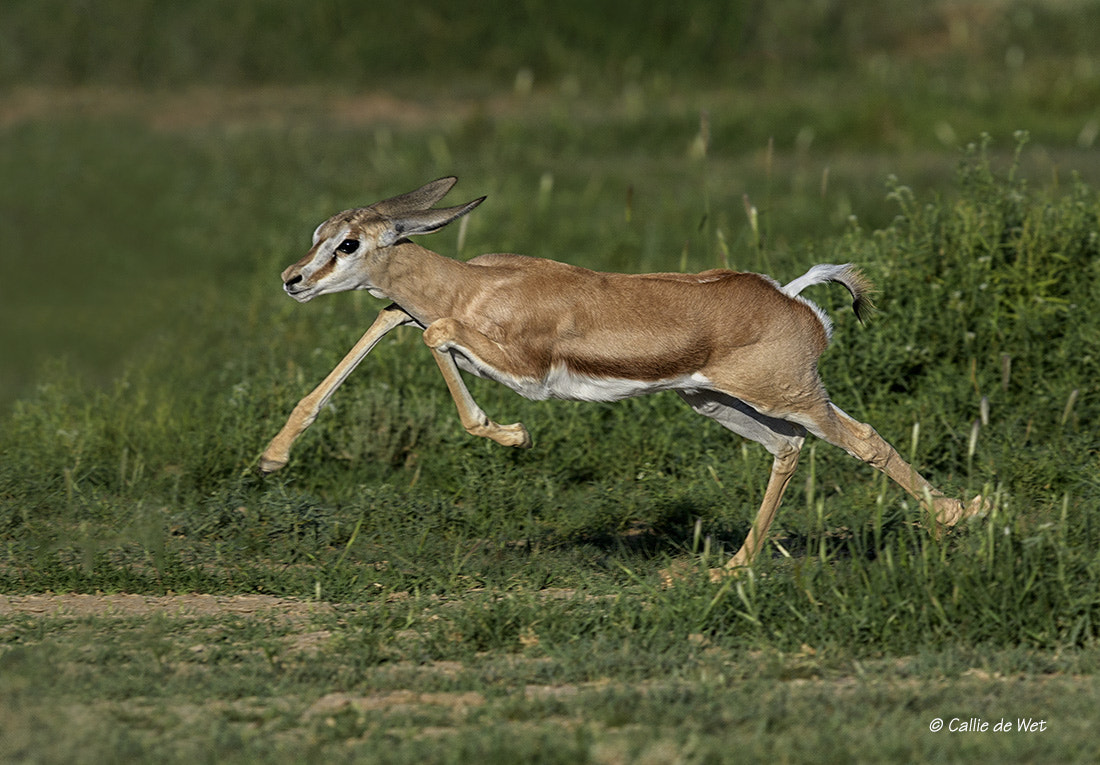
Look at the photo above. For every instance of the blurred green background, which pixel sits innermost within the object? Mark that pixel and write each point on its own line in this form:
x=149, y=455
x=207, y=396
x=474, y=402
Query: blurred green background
x=160, y=159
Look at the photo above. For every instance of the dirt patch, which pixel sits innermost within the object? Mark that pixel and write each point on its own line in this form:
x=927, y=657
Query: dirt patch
x=197, y=108
x=395, y=700
x=77, y=606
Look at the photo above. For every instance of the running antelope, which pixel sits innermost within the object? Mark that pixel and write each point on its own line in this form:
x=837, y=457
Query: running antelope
x=737, y=347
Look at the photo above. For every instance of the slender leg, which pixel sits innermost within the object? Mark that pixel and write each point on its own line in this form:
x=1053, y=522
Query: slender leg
x=861, y=441
x=782, y=438
x=277, y=452
x=782, y=469
x=439, y=336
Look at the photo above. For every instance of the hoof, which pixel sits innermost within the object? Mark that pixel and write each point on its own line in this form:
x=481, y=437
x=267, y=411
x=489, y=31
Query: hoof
x=950, y=511
x=518, y=436
x=271, y=464
x=514, y=435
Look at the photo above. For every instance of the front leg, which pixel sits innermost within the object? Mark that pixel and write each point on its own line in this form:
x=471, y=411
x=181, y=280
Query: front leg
x=440, y=336
x=277, y=452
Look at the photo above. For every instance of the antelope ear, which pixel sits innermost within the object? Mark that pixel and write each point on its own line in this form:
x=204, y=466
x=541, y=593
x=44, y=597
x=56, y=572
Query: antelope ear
x=425, y=221
x=414, y=201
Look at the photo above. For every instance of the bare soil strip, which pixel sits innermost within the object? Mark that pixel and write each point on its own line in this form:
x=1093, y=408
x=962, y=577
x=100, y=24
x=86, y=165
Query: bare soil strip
x=77, y=606
x=197, y=108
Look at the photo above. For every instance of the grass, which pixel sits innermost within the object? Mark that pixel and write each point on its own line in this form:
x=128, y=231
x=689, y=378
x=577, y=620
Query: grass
x=424, y=596
x=239, y=689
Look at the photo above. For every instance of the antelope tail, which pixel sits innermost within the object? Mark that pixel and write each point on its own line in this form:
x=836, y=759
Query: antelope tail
x=850, y=276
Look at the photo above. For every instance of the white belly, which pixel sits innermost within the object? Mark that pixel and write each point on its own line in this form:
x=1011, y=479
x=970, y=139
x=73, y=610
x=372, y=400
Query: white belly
x=561, y=383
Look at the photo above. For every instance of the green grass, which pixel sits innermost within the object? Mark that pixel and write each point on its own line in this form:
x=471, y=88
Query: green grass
x=447, y=599
x=334, y=683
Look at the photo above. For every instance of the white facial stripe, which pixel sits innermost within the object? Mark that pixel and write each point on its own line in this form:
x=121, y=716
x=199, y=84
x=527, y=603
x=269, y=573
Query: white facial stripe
x=334, y=241
x=327, y=269
x=330, y=271
x=326, y=252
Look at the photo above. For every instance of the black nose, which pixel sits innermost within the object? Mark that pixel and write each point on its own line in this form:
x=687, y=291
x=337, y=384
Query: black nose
x=293, y=280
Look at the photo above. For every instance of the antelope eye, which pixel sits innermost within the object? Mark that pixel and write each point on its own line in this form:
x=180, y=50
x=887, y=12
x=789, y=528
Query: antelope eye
x=348, y=246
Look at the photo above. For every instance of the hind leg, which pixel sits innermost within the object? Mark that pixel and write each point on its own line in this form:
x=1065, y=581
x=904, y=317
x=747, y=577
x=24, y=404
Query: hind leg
x=863, y=442
x=781, y=438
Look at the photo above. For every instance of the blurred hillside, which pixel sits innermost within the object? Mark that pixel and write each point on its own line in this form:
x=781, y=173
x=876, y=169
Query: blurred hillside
x=151, y=43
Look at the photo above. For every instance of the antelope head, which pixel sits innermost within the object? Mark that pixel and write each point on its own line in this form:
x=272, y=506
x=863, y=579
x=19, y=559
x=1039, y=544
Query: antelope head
x=350, y=247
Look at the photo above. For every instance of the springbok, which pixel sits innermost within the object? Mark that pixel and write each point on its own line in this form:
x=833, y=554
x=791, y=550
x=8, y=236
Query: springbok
x=737, y=347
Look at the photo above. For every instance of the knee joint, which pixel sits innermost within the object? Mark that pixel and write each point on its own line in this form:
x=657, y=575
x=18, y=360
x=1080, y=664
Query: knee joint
x=787, y=459
x=439, y=332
